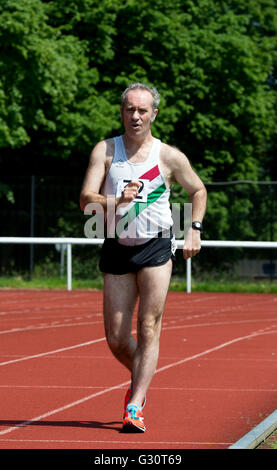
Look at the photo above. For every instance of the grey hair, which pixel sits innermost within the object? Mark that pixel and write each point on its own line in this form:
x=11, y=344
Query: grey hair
x=141, y=86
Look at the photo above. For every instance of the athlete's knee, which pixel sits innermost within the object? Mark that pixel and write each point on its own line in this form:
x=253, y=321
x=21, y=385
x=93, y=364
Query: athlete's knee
x=117, y=342
x=149, y=329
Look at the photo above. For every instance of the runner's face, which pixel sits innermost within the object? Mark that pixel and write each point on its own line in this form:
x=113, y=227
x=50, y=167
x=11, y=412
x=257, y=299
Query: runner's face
x=137, y=112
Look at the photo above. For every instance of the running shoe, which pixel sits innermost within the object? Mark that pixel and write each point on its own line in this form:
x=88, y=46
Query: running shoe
x=128, y=397
x=133, y=420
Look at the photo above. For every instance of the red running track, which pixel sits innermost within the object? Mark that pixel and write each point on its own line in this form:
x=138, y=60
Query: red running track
x=61, y=388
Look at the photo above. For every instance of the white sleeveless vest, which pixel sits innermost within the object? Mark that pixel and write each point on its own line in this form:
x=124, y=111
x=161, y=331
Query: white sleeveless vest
x=149, y=213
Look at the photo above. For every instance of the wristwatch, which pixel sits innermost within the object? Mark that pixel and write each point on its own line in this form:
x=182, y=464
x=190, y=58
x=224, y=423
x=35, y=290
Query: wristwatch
x=197, y=226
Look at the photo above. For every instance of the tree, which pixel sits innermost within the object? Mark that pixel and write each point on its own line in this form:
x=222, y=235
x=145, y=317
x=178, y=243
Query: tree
x=64, y=64
x=48, y=97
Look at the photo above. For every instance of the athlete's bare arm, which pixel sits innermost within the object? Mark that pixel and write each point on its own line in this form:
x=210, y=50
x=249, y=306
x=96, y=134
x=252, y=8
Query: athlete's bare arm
x=95, y=176
x=98, y=167
x=177, y=168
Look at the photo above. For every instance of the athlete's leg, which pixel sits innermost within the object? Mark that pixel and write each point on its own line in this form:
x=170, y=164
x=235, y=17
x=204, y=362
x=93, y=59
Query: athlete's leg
x=153, y=286
x=120, y=296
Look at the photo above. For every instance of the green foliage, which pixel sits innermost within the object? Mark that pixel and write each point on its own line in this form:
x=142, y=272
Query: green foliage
x=64, y=64
x=6, y=192
x=47, y=85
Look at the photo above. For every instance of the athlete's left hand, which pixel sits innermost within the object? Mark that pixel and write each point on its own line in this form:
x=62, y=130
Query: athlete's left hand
x=192, y=244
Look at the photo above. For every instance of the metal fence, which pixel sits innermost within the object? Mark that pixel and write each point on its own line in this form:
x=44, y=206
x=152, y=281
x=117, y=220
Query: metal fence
x=48, y=206
x=94, y=241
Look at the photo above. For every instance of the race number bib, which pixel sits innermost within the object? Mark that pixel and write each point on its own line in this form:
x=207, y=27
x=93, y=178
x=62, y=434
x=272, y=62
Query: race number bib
x=143, y=190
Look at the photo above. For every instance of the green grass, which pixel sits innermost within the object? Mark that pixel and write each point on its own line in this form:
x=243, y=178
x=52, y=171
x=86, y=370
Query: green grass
x=273, y=445
x=264, y=287
x=47, y=283
x=221, y=285
x=270, y=442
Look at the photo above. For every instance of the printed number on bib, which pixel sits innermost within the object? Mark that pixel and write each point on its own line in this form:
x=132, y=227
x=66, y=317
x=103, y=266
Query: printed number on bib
x=143, y=190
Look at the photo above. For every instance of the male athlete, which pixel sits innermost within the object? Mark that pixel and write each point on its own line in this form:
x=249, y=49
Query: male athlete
x=134, y=172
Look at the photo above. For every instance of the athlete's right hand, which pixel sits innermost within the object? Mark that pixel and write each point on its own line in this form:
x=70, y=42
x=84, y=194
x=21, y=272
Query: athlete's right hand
x=129, y=193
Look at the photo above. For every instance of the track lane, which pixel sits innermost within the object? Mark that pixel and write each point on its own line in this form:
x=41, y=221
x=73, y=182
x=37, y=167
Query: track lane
x=184, y=331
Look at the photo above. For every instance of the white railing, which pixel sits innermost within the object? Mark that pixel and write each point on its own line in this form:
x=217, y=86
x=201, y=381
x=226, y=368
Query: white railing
x=97, y=241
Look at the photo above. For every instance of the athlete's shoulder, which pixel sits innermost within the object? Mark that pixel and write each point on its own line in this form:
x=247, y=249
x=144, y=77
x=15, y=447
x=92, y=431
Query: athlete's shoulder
x=103, y=150
x=105, y=147
x=171, y=155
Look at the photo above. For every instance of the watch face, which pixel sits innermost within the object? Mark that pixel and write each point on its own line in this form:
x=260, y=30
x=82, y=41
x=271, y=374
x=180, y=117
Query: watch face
x=197, y=225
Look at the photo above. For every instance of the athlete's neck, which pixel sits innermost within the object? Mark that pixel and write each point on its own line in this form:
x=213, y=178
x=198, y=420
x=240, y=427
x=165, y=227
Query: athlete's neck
x=134, y=143
x=137, y=150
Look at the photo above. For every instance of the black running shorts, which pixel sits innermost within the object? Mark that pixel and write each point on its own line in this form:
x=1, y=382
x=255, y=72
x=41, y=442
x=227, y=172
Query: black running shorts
x=120, y=259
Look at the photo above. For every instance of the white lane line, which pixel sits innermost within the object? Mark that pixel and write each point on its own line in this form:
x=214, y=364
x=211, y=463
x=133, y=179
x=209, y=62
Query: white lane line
x=220, y=323
x=67, y=348
x=161, y=369
x=194, y=325
x=180, y=389
x=45, y=326
x=116, y=442
x=216, y=348
x=47, y=353
x=64, y=407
